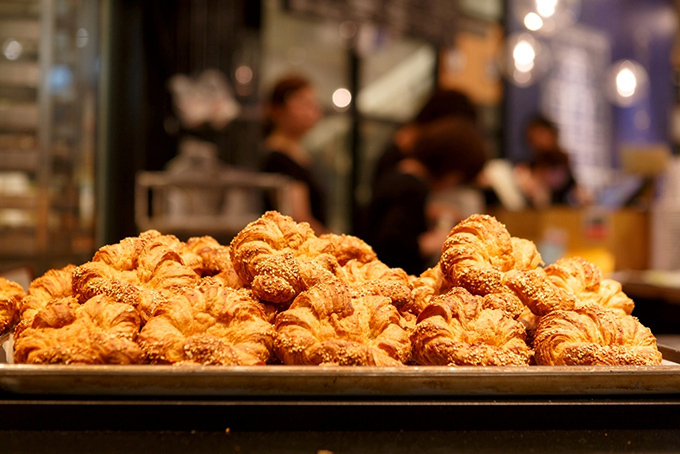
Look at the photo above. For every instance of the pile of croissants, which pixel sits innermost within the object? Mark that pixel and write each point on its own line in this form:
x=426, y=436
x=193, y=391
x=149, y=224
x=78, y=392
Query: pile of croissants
x=279, y=294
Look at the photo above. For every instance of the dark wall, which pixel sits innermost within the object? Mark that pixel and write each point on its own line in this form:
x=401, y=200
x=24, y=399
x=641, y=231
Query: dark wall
x=151, y=41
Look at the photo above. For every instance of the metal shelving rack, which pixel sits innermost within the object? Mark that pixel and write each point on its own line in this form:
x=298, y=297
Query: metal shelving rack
x=48, y=86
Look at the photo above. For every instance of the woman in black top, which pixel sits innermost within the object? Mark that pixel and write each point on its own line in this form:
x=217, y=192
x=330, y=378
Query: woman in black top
x=293, y=109
x=447, y=153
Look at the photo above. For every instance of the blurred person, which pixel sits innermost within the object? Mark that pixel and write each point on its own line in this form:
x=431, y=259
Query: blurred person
x=291, y=111
x=547, y=177
x=402, y=227
x=442, y=103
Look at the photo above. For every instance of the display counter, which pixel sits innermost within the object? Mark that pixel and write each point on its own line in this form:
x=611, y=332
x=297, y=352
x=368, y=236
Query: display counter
x=614, y=239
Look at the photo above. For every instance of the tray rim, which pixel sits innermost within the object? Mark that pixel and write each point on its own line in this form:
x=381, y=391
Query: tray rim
x=118, y=381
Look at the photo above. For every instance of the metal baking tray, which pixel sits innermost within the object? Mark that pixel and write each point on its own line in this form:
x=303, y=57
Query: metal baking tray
x=310, y=381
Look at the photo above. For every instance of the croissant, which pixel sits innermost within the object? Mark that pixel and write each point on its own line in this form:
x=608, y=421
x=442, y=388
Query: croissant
x=429, y=284
x=56, y=283
x=374, y=278
x=209, y=325
x=143, y=283
x=479, y=250
x=100, y=331
x=461, y=329
x=326, y=326
x=584, y=280
x=593, y=335
x=11, y=295
x=271, y=256
x=216, y=260
x=348, y=247
x=537, y=292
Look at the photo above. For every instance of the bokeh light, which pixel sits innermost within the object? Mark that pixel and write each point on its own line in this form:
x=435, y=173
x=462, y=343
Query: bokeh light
x=627, y=82
x=525, y=59
x=546, y=16
x=342, y=98
x=12, y=49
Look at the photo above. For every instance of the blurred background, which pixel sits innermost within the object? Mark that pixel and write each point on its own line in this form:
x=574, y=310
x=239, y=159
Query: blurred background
x=117, y=115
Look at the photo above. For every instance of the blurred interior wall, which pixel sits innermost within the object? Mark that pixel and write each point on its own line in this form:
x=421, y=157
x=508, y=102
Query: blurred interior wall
x=149, y=42
x=633, y=29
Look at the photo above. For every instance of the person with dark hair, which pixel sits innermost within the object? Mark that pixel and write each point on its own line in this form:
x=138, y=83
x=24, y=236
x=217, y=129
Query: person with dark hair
x=442, y=103
x=447, y=153
x=291, y=111
x=540, y=133
x=547, y=178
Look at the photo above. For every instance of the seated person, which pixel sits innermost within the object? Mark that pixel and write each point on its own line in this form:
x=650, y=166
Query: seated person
x=547, y=178
x=447, y=154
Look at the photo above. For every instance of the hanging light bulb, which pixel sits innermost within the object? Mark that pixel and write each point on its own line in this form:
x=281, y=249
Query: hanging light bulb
x=525, y=59
x=546, y=16
x=627, y=83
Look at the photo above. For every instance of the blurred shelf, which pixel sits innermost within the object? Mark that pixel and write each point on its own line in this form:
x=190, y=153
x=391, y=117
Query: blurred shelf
x=44, y=149
x=18, y=116
x=23, y=28
x=20, y=74
x=18, y=202
x=19, y=160
x=18, y=241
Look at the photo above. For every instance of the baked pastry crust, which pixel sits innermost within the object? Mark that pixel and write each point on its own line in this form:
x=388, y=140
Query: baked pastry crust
x=326, y=326
x=461, y=329
x=209, y=325
x=55, y=283
x=430, y=283
x=584, y=280
x=101, y=331
x=480, y=255
x=11, y=295
x=374, y=278
x=216, y=260
x=142, y=273
x=279, y=258
x=594, y=335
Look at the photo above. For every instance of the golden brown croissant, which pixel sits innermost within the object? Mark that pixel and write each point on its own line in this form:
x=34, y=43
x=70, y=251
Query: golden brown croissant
x=325, y=326
x=584, y=280
x=538, y=292
x=271, y=256
x=56, y=283
x=479, y=250
x=100, y=331
x=374, y=278
x=429, y=284
x=145, y=282
x=216, y=260
x=461, y=329
x=348, y=247
x=593, y=335
x=209, y=325
x=11, y=295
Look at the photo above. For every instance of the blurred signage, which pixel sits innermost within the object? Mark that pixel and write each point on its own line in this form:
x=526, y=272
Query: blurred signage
x=431, y=20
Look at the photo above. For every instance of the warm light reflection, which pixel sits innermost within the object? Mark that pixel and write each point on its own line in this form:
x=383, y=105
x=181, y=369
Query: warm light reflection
x=533, y=22
x=546, y=8
x=342, y=98
x=243, y=75
x=12, y=49
x=626, y=83
x=524, y=56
